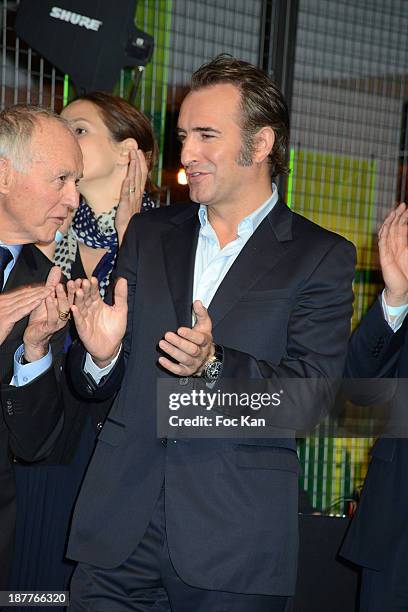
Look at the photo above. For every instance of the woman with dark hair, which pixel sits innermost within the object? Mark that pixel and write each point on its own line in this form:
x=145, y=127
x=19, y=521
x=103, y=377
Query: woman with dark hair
x=119, y=152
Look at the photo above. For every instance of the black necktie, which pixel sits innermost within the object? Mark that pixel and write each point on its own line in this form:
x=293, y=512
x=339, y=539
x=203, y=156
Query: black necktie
x=5, y=257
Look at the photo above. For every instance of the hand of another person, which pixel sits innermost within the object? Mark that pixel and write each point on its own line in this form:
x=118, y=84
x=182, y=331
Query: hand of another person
x=47, y=318
x=132, y=192
x=17, y=304
x=393, y=247
x=190, y=347
x=100, y=327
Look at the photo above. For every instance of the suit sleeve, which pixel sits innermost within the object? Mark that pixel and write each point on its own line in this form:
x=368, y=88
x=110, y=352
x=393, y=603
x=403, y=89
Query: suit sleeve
x=372, y=360
x=374, y=348
x=34, y=416
x=34, y=413
x=317, y=335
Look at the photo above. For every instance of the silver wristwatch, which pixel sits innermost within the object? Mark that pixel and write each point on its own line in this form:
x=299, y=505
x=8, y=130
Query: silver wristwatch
x=212, y=367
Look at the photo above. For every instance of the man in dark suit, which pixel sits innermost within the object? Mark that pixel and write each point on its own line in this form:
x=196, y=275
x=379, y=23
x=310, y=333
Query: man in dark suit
x=378, y=536
x=206, y=524
x=40, y=163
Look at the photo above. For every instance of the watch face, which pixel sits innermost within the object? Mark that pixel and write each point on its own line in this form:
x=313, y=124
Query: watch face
x=212, y=370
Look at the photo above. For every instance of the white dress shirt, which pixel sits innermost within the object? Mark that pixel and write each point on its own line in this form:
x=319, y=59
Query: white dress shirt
x=211, y=263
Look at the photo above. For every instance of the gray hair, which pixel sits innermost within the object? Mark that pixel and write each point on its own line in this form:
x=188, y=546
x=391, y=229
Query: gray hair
x=17, y=125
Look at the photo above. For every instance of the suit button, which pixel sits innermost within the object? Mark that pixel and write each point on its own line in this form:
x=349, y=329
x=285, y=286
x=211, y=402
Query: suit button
x=15, y=460
x=184, y=381
x=164, y=441
x=99, y=425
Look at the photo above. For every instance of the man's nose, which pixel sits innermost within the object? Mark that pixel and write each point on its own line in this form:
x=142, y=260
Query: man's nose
x=71, y=199
x=189, y=152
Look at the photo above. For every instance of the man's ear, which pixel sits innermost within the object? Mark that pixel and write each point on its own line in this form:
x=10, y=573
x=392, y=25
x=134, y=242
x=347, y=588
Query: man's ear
x=124, y=147
x=263, y=143
x=6, y=176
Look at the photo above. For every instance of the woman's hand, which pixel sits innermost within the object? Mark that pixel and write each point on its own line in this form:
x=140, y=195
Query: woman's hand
x=132, y=192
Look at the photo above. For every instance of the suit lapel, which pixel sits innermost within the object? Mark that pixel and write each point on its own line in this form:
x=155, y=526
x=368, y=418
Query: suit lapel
x=31, y=267
x=262, y=253
x=25, y=270
x=179, y=246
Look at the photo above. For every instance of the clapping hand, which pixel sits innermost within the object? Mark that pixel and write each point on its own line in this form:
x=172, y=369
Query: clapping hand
x=100, y=327
x=190, y=347
x=393, y=247
x=49, y=317
x=17, y=304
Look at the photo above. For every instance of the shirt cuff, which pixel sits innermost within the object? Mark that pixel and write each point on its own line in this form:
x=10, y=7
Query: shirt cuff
x=24, y=374
x=394, y=315
x=97, y=373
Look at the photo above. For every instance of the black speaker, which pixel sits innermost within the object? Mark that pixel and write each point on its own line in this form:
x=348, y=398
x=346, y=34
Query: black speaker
x=90, y=41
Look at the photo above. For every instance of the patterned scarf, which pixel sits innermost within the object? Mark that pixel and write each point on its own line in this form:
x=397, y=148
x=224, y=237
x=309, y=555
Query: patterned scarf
x=97, y=232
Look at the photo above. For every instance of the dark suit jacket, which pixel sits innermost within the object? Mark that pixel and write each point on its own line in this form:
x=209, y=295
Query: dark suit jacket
x=76, y=411
x=30, y=416
x=283, y=310
x=376, y=351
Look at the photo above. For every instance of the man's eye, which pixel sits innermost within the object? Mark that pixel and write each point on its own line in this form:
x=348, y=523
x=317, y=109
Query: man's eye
x=79, y=131
x=207, y=136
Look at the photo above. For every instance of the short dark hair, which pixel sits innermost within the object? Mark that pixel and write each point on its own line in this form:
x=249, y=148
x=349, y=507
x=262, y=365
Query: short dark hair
x=124, y=120
x=262, y=104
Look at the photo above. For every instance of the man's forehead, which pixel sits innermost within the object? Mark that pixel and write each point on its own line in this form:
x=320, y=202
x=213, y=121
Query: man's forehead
x=46, y=128
x=211, y=95
x=213, y=103
x=53, y=140
x=59, y=156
